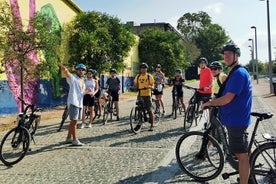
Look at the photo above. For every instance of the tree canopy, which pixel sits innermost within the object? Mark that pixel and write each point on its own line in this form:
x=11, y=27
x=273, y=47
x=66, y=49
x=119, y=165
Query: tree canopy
x=208, y=37
x=99, y=41
x=160, y=47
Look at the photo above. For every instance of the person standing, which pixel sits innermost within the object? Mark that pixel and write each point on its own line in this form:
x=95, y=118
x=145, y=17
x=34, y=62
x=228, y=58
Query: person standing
x=99, y=92
x=235, y=101
x=178, y=82
x=75, y=100
x=144, y=82
x=159, y=81
x=205, y=80
x=89, y=99
x=218, y=76
x=113, y=86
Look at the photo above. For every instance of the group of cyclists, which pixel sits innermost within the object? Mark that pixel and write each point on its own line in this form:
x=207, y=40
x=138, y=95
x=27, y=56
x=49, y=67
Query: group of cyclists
x=234, y=96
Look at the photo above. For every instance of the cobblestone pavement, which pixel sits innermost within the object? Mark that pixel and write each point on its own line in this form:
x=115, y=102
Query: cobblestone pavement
x=113, y=154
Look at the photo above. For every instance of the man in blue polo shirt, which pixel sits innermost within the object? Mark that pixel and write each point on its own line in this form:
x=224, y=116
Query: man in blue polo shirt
x=235, y=99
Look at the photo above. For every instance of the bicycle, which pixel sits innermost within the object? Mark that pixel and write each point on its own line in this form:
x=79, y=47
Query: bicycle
x=16, y=142
x=139, y=115
x=193, y=112
x=204, y=160
x=176, y=106
x=108, y=108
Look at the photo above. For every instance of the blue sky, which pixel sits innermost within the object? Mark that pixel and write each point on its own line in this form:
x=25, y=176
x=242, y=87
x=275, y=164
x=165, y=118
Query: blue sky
x=236, y=17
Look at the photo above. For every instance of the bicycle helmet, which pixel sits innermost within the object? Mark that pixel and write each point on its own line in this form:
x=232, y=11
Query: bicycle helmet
x=177, y=71
x=81, y=66
x=91, y=70
x=203, y=59
x=158, y=66
x=113, y=70
x=231, y=47
x=144, y=65
x=216, y=64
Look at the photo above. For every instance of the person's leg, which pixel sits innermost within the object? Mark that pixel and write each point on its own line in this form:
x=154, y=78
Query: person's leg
x=238, y=144
x=83, y=114
x=183, y=104
x=116, y=103
x=72, y=129
x=244, y=167
x=91, y=114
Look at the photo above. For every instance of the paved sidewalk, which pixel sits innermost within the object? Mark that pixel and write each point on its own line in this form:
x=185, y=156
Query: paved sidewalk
x=113, y=154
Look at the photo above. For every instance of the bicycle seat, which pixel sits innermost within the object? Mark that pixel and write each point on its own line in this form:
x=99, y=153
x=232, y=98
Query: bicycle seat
x=266, y=115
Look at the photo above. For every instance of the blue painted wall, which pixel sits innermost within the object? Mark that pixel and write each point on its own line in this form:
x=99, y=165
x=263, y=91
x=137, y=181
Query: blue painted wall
x=46, y=100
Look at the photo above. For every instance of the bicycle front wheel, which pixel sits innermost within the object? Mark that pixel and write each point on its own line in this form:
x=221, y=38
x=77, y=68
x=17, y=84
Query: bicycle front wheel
x=14, y=145
x=263, y=163
x=105, y=113
x=202, y=163
x=135, y=120
x=189, y=117
x=64, y=117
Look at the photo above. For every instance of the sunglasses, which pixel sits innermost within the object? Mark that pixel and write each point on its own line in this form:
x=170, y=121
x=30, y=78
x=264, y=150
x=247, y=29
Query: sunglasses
x=214, y=69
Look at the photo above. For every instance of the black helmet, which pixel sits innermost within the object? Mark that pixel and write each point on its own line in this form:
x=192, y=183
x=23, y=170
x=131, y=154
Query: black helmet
x=91, y=70
x=178, y=71
x=81, y=66
x=216, y=64
x=231, y=47
x=203, y=59
x=158, y=66
x=144, y=65
x=113, y=70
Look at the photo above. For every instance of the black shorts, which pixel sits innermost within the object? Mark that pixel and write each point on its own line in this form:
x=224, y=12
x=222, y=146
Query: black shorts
x=204, y=97
x=156, y=92
x=115, y=96
x=98, y=94
x=180, y=94
x=88, y=100
x=147, y=103
x=238, y=139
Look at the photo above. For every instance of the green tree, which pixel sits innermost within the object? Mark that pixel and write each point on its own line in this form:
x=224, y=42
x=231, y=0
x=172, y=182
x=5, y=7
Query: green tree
x=208, y=37
x=210, y=40
x=157, y=46
x=99, y=41
x=191, y=23
x=21, y=47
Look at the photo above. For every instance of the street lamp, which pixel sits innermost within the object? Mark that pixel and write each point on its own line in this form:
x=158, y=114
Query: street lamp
x=252, y=55
x=256, y=51
x=269, y=46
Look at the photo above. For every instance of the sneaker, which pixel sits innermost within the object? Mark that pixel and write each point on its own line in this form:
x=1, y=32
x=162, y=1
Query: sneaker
x=151, y=128
x=77, y=143
x=118, y=119
x=68, y=140
x=89, y=125
x=82, y=126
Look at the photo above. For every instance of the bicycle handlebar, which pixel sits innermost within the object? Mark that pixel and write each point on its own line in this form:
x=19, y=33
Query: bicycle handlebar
x=197, y=89
x=33, y=107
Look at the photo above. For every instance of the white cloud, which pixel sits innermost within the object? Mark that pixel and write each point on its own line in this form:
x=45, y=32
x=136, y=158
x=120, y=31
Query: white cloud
x=215, y=8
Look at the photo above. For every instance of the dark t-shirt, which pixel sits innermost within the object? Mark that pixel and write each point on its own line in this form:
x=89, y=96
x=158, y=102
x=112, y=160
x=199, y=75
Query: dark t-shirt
x=113, y=83
x=177, y=84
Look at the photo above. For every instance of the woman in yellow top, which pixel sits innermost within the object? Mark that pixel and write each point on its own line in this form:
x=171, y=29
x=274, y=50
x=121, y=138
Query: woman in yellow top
x=218, y=76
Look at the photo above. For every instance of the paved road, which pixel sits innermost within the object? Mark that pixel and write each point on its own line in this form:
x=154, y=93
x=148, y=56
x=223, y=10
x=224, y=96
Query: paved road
x=113, y=154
